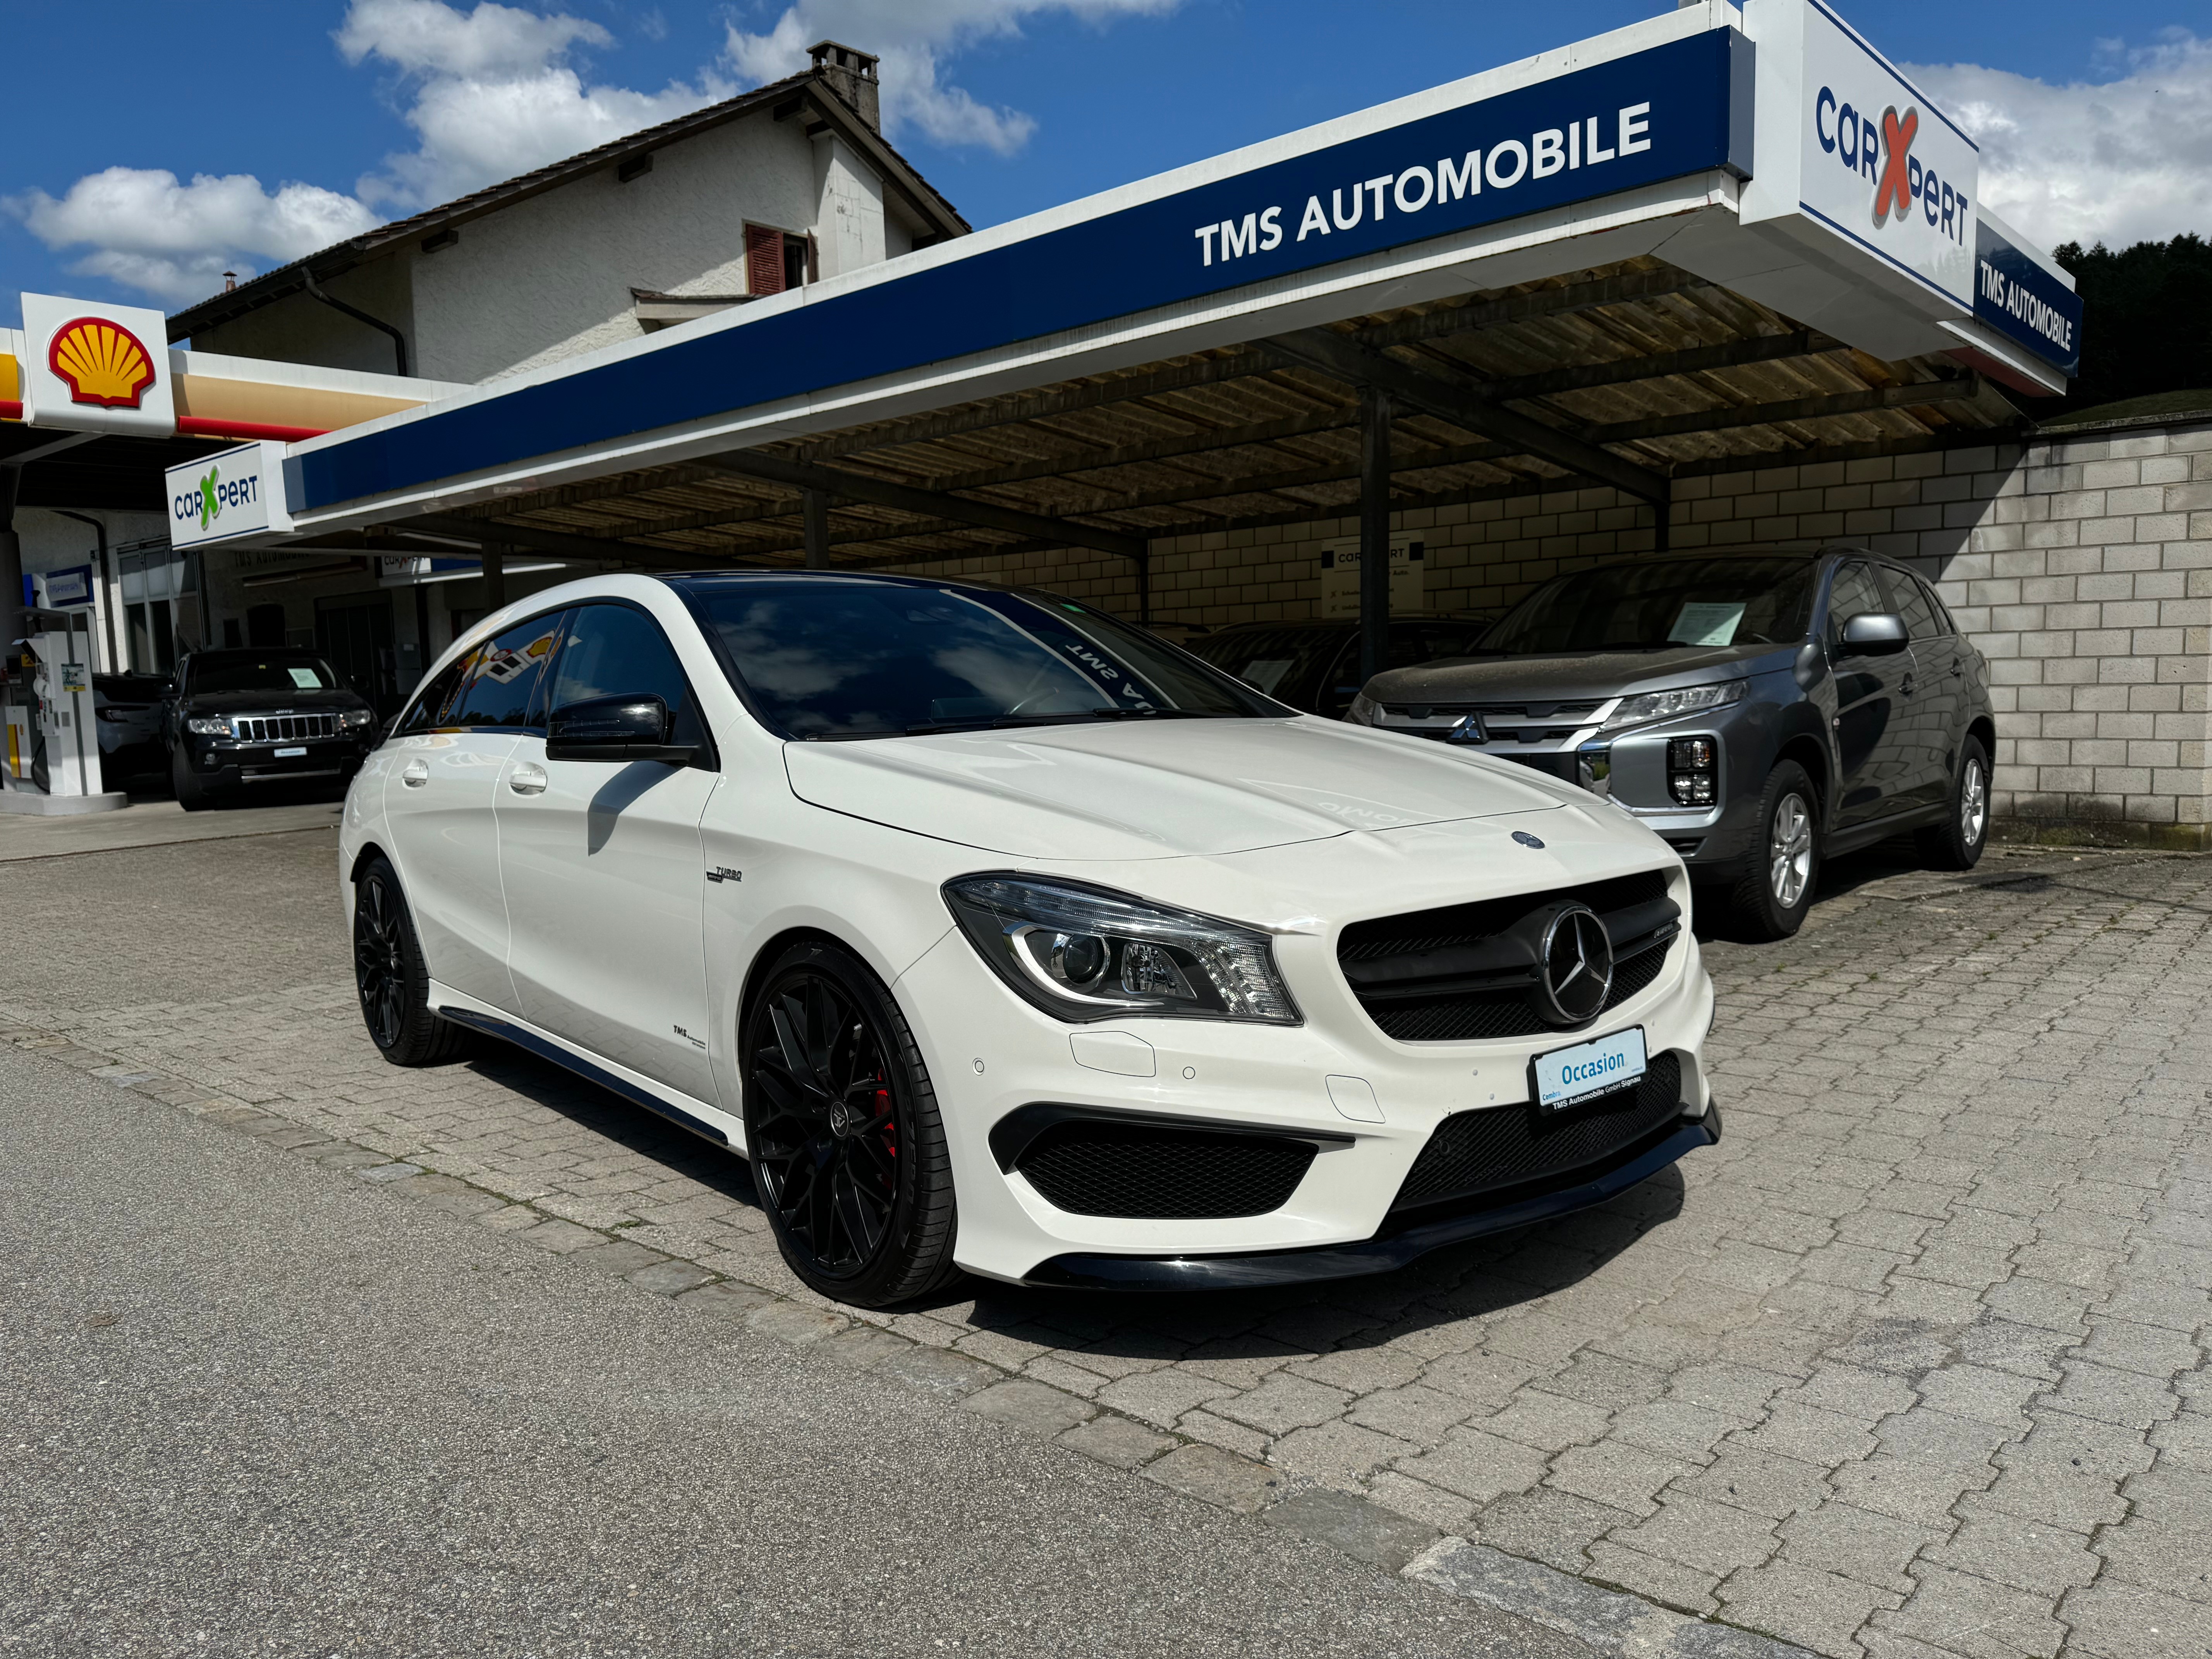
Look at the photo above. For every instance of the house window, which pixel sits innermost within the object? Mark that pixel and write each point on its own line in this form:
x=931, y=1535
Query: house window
x=776, y=259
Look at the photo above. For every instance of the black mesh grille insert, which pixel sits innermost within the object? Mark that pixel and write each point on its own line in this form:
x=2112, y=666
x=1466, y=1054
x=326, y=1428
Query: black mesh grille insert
x=1476, y=1151
x=1163, y=1174
x=1458, y=1014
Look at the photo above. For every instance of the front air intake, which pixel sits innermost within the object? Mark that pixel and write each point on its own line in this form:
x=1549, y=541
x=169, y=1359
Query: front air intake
x=1092, y=1166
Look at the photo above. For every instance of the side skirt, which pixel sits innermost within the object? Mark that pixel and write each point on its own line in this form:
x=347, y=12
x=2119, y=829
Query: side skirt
x=700, y=1121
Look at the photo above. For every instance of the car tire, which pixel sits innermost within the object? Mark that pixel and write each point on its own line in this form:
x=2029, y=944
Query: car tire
x=192, y=794
x=842, y=1127
x=1775, y=889
x=392, y=977
x=1957, y=842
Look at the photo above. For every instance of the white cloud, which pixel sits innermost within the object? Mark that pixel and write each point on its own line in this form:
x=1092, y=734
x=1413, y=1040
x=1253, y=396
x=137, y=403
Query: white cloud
x=489, y=94
x=2122, y=161
x=912, y=37
x=174, y=240
x=492, y=95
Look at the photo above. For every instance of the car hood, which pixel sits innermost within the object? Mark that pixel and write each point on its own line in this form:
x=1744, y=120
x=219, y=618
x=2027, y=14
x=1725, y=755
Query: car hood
x=1576, y=674
x=1145, y=790
x=261, y=702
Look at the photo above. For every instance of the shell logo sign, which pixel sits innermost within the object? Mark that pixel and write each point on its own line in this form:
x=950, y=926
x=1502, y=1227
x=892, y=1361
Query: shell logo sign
x=102, y=363
x=91, y=367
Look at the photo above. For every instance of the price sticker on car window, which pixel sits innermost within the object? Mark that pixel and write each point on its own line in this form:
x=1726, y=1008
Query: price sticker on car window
x=1706, y=622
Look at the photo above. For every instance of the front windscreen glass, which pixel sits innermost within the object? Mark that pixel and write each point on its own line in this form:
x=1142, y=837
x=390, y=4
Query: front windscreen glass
x=1664, y=602
x=265, y=672
x=826, y=659
x=1277, y=660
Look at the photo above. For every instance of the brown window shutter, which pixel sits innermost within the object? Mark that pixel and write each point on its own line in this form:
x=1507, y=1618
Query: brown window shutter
x=764, y=260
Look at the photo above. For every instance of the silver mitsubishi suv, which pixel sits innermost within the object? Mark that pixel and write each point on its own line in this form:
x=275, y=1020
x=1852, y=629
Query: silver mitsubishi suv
x=1758, y=709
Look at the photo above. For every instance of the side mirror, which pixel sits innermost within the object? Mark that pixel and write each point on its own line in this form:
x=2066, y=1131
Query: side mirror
x=1874, y=634
x=626, y=728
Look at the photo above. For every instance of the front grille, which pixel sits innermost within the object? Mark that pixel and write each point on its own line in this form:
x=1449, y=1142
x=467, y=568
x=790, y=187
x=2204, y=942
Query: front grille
x=1495, y=711
x=282, y=728
x=1423, y=977
x=1089, y=1168
x=1473, y=1153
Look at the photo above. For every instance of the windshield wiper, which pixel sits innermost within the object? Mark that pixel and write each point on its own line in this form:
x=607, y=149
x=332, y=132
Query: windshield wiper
x=1067, y=717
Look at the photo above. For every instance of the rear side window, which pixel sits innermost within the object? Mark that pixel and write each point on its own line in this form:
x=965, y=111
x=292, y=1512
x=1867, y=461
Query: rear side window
x=422, y=714
x=1913, y=604
x=499, y=685
x=1855, y=594
x=612, y=651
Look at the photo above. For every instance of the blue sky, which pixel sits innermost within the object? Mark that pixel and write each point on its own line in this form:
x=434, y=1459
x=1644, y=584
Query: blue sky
x=2095, y=121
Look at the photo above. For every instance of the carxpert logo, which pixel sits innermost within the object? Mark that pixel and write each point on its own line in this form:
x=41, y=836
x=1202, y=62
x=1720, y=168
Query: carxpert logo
x=1879, y=149
x=202, y=504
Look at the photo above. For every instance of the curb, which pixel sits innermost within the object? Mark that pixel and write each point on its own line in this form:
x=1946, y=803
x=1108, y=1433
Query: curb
x=1610, y=1622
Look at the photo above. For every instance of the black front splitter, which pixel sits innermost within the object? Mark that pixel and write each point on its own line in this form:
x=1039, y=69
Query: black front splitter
x=1380, y=1255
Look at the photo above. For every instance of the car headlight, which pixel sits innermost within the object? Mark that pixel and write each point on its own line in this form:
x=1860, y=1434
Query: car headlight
x=1666, y=705
x=209, y=726
x=1088, y=953
x=356, y=718
x=1365, y=710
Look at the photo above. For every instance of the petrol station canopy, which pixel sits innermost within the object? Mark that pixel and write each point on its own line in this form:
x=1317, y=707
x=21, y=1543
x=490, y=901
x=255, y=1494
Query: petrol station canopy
x=1694, y=244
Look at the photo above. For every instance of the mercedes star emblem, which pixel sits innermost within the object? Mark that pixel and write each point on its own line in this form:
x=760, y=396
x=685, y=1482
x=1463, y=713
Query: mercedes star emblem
x=1526, y=839
x=1574, y=967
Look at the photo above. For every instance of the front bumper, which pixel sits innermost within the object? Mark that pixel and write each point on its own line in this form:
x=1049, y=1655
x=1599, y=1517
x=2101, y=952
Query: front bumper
x=1388, y=1250
x=990, y=1056
x=225, y=761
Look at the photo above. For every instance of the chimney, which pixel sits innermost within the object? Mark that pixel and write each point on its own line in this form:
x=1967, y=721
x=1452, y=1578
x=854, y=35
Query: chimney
x=852, y=76
x=229, y=282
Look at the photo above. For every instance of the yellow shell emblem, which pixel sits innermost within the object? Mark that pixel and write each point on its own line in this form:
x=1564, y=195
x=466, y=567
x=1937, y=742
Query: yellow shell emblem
x=103, y=362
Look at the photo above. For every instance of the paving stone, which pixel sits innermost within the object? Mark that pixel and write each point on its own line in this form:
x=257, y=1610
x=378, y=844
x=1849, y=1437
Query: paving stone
x=1214, y=1476
x=1477, y=1465
x=1624, y=1476
x=670, y=1278
x=1116, y=1440
x=795, y=1322
x=620, y=1258
x=1547, y=1525
x=1758, y=1481
x=562, y=1238
x=2175, y=1560
x=2030, y=1555
x=1977, y=1617
x=2117, y=1620
x=1845, y=1540
x=1030, y=1406
x=1668, y=1582
x=1822, y=1610
x=938, y=1371
x=730, y=1298
x=1712, y=1537
x=1365, y=1531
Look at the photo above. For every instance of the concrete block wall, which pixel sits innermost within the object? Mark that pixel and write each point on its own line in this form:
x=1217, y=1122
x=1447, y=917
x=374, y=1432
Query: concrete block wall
x=2081, y=565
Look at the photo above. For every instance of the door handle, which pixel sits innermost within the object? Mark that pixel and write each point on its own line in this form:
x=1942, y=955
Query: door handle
x=415, y=773
x=1907, y=687
x=527, y=780
x=1957, y=668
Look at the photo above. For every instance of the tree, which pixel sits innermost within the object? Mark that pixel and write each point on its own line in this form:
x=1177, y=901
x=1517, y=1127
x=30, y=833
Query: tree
x=2146, y=321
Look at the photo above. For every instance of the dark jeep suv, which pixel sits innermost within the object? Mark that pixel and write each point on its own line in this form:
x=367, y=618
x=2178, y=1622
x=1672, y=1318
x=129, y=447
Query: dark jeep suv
x=1758, y=709
x=237, y=718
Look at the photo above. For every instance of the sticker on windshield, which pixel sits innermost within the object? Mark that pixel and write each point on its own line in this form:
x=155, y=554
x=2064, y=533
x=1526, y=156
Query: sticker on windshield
x=1706, y=622
x=1266, y=673
x=305, y=678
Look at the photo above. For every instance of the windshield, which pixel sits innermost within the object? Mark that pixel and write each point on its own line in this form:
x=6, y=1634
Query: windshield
x=1666, y=602
x=272, y=670
x=1278, y=660
x=841, y=659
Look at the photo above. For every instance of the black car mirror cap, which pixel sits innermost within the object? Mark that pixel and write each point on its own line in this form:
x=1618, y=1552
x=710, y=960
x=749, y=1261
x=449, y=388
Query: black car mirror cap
x=634, y=726
x=1874, y=634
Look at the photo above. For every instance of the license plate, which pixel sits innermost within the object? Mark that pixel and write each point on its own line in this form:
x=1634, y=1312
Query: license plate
x=287, y=754
x=1565, y=1075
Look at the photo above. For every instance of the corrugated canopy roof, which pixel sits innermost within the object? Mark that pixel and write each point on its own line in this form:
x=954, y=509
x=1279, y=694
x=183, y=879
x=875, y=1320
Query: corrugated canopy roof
x=1628, y=375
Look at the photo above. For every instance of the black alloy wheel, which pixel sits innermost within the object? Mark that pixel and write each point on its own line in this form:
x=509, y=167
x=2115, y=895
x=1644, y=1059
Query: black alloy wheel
x=392, y=977
x=841, y=1127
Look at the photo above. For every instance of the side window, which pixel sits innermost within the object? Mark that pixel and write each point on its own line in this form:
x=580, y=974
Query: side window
x=612, y=651
x=1944, y=624
x=1912, y=604
x=422, y=714
x=1854, y=594
x=499, y=687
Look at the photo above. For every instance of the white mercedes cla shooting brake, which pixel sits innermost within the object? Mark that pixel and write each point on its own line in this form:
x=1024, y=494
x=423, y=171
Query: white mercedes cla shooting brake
x=1000, y=935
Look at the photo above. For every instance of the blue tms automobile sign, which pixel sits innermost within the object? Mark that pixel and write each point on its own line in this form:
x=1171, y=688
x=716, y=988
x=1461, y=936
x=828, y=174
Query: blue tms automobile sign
x=2017, y=297
x=1664, y=113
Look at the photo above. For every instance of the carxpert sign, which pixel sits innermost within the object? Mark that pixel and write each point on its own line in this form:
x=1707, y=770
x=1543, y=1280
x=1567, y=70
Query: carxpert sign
x=1502, y=152
x=2022, y=298
x=220, y=497
x=1846, y=140
x=96, y=368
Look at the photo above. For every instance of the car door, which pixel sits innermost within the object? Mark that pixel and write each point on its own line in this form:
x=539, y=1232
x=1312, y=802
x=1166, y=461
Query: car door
x=1872, y=759
x=1934, y=700
x=438, y=806
x=601, y=865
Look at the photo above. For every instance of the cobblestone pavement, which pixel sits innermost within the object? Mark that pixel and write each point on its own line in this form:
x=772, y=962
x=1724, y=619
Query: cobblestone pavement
x=1913, y=1362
